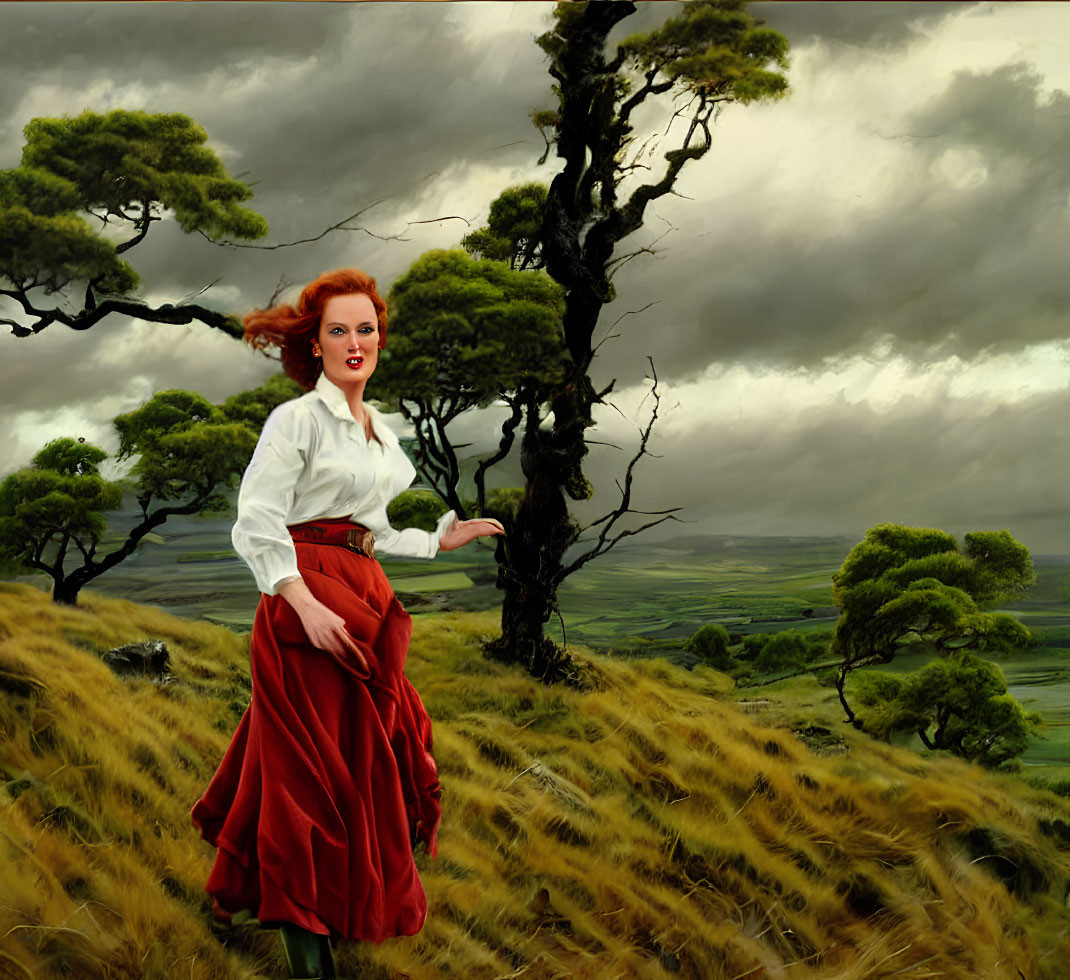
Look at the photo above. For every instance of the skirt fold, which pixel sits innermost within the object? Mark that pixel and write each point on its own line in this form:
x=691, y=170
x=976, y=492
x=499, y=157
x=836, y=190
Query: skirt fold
x=328, y=782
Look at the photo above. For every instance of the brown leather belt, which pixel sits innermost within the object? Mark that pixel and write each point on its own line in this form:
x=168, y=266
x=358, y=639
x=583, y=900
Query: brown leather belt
x=337, y=531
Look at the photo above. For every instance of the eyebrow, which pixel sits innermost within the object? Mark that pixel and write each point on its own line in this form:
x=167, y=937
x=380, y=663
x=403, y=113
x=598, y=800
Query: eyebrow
x=366, y=323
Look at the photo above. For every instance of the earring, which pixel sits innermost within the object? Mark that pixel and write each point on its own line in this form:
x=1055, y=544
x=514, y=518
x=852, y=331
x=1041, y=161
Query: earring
x=316, y=352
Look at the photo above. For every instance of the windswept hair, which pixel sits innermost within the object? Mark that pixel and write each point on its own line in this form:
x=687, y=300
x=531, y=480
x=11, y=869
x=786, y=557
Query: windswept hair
x=293, y=330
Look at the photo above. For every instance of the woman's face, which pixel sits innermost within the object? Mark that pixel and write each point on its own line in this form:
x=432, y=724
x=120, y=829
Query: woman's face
x=349, y=338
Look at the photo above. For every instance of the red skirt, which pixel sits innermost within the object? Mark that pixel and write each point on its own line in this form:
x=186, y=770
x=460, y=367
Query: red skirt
x=328, y=782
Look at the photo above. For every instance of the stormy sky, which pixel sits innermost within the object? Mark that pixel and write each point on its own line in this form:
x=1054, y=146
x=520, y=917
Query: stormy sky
x=857, y=304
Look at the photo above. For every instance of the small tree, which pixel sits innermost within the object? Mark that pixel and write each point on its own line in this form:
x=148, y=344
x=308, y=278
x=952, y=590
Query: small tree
x=123, y=170
x=512, y=230
x=466, y=333
x=783, y=651
x=960, y=704
x=710, y=643
x=416, y=508
x=52, y=511
x=252, y=407
x=911, y=588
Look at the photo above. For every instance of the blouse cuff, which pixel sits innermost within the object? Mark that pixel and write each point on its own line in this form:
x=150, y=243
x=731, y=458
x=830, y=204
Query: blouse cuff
x=443, y=525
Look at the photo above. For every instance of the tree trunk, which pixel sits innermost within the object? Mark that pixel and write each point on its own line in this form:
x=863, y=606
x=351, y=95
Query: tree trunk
x=841, y=681
x=530, y=560
x=65, y=591
x=552, y=460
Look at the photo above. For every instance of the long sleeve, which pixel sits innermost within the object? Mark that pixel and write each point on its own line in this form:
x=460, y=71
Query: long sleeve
x=266, y=497
x=410, y=542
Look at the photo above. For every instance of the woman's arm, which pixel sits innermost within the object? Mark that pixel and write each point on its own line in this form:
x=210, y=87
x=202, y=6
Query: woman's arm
x=326, y=630
x=260, y=534
x=266, y=496
x=459, y=533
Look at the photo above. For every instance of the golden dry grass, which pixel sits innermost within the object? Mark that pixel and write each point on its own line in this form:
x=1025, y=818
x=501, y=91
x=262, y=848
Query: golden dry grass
x=645, y=828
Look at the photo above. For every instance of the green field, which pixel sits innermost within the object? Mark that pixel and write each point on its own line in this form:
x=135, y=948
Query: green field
x=638, y=600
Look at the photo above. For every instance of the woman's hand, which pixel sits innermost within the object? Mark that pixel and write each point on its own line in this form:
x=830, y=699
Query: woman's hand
x=326, y=630
x=459, y=533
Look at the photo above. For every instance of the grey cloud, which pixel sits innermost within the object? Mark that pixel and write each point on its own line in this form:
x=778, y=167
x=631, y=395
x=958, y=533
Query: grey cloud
x=935, y=269
x=840, y=468
x=388, y=95
x=66, y=43
x=869, y=25
x=391, y=93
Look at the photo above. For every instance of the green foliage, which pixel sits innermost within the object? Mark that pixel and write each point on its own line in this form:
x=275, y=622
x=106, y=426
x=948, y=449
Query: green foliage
x=503, y=503
x=165, y=413
x=185, y=448
x=711, y=644
x=70, y=457
x=57, y=500
x=186, y=451
x=51, y=250
x=252, y=407
x=511, y=233
x=905, y=586
x=466, y=331
x=911, y=588
x=117, y=167
x=416, y=508
x=783, y=651
x=714, y=47
x=753, y=644
x=959, y=703
x=120, y=160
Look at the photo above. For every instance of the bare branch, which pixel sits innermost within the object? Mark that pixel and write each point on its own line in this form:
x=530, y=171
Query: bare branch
x=642, y=309
x=337, y=226
x=142, y=223
x=280, y=287
x=431, y=221
x=342, y=225
x=604, y=542
x=608, y=336
x=202, y=290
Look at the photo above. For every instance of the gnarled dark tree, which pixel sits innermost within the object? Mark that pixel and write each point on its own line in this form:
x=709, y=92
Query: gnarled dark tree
x=714, y=53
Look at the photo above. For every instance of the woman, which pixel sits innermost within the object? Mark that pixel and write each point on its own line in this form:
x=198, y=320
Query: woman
x=328, y=783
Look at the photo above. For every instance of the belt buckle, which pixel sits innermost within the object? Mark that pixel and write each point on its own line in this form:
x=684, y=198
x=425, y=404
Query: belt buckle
x=361, y=540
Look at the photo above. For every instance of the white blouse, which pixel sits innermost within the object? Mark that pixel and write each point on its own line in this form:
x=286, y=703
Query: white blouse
x=314, y=460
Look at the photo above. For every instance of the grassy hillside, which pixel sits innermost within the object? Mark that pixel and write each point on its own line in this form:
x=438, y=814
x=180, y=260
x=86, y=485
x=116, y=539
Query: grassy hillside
x=649, y=827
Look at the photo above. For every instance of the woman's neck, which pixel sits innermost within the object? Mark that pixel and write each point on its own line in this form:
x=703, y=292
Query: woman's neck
x=354, y=394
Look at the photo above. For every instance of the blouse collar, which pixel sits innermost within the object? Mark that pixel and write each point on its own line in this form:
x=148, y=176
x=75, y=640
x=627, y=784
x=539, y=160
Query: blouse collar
x=334, y=398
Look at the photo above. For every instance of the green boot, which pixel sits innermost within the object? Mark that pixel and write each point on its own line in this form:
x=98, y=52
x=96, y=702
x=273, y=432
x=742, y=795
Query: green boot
x=302, y=952
x=326, y=958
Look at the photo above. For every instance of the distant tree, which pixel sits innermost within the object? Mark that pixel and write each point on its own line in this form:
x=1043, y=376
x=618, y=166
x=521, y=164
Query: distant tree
x=710, y=643
x=125, y=170
x=512, y=230
x=753, y=644
x=712, y=54
x=254, y=406
x=416, y=508
x=467, y=333
x=783, y=651
x=909, y=588
x=960, y=704
x=51, y=513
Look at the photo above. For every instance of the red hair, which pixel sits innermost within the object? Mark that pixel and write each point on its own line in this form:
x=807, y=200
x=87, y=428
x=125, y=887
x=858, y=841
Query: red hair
x=293, y=330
